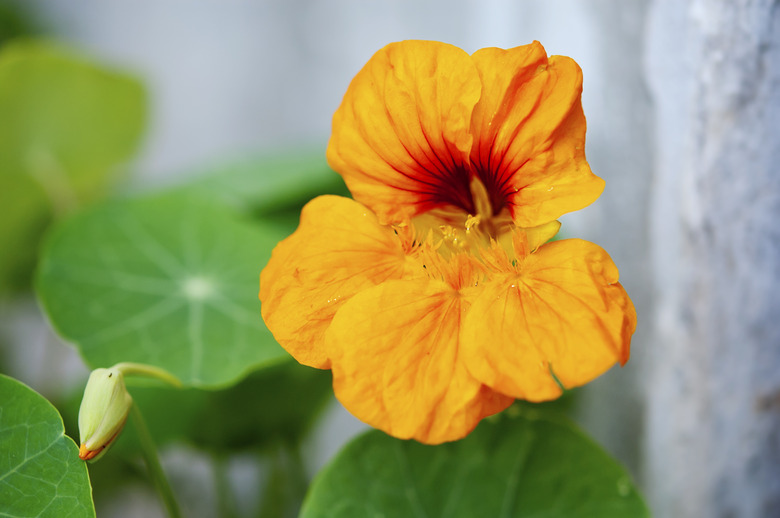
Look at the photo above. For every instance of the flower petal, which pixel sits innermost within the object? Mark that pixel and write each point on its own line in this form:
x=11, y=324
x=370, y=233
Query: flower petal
x=401, y=135
x=338, y=250
x=562, y=312
x=397, y=365
x=529, y=131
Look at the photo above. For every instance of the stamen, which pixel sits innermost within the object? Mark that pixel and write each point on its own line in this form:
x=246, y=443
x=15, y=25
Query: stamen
x=460, y=246
x=472, y=221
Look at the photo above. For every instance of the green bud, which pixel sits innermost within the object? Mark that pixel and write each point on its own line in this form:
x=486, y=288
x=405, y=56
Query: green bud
x=106, y=404
x=103, y=411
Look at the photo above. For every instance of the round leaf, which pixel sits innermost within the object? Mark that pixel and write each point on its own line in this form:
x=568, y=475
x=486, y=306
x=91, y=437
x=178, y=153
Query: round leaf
x=41, y=474
x=169, y=281
x=517, y=467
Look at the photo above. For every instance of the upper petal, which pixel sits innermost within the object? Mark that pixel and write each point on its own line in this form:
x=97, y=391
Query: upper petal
x=529, y=132
x=561, y=312
x=338, y=249
x=397, y=364
x=401, y=135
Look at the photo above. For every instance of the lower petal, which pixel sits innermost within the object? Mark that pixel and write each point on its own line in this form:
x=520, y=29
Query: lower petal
x=397, y=364
x=561, y=315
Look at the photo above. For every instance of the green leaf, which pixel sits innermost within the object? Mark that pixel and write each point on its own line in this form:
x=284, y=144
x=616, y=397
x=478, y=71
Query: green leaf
x=15, y=21
x=522, y=467
x=270, y=405
x=170, y=281
x=65, y=126
x=286, y=484
x=271, y=184
x=40, y=470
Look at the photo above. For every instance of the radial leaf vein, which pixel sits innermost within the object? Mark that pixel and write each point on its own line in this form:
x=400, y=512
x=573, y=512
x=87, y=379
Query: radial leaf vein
x=195, y=332
x=148, y=245
x=138, y=321
x=235, y=312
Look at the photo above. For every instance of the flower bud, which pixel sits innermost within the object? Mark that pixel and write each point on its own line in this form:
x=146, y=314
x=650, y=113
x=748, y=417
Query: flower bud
x=103, y=411
x=107, y=403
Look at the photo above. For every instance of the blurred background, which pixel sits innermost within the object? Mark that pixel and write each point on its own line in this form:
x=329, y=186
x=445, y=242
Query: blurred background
x=682, y=106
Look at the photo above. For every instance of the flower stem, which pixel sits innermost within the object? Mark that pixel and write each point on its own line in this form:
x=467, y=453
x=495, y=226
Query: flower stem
x=150, y=371
x=156, y=473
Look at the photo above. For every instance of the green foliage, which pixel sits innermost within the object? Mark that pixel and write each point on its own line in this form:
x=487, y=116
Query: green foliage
x=271, y=185
x=40, y=471
x=65, y=126
x=522, y=466
x=15, y=20
x=274, y=404
x=169, y=281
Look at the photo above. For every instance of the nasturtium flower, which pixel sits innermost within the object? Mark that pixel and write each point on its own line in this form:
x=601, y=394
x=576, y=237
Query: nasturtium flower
x=435, y=295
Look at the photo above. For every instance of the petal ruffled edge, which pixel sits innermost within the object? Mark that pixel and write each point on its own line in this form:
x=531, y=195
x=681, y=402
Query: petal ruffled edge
x=529, y=131
x=561, y=314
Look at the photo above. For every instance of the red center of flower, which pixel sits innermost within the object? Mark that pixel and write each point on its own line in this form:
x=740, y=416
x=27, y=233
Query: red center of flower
x=456, y=187
x=496, y=182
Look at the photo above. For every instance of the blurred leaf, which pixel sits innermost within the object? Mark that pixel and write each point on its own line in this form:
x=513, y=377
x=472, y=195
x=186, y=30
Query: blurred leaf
x=15, y=20
x=40, y=471
x=270, y=184
x=65, y=125
x=170, y=281
x=522, y=466
x=270, y=405
x=564, y=406
x=285, y=487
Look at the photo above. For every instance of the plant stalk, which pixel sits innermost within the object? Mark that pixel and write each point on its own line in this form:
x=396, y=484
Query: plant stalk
x=156, y=473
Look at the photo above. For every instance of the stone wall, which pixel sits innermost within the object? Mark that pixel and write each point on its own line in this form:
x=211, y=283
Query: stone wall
x=713, y=392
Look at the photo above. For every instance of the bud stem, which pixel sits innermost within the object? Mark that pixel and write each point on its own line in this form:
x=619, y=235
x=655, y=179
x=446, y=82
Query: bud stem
x=150, y=371
x=156, y=473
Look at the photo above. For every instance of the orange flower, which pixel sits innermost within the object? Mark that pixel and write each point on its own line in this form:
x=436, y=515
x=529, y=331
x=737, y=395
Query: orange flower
x=432, y=295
